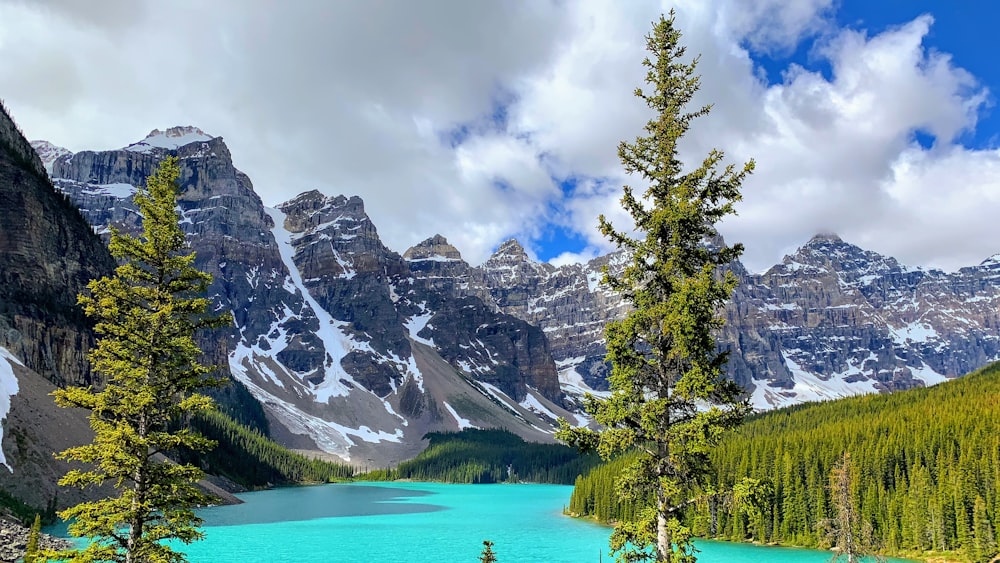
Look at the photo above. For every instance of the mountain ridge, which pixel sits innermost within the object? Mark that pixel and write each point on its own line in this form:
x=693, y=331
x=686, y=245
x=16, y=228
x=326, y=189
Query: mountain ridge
x=321, y=303
x=326, y=317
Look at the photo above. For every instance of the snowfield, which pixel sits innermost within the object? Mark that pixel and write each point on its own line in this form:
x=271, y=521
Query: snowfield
x=8, y=388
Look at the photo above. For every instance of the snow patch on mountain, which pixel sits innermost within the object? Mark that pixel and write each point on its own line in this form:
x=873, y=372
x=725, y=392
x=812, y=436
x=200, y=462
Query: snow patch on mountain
x=434, y=258
x=171, y=139
x=926, y=374
x=533, y=404
x=463, y=423
x=336, y=343
x=119, y=190
x=8, y=388
x=809, y=386
x=916, y=331
x=417, y=323
x=497, y=394
x=49, y=153
x=276, y=341
x=570, y=380
x=330, y=436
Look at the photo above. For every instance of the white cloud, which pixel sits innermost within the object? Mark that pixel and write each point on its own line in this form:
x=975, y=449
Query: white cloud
x=771, y=25
x=950, y=197
x=454, y=117
x=827, y=157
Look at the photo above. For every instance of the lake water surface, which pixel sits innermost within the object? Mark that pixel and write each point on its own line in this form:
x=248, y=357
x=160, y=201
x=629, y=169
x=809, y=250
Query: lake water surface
x=423, y=523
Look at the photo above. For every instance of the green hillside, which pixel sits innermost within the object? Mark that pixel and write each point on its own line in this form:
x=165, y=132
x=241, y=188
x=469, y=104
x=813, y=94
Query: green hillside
x=489, y=456
x=928, y=460
x=249, y=458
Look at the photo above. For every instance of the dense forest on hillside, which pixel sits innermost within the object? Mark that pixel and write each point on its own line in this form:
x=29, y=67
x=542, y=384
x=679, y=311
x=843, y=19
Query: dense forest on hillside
x=489, y=456
x=249, y=458
x=928, y=462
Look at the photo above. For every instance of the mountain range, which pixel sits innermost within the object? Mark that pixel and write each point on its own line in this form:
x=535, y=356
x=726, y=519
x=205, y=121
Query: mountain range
x=352, y=349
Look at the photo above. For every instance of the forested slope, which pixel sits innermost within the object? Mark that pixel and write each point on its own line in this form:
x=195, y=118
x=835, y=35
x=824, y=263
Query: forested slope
x=249, y=458
x=489, y=456
x=928, y=462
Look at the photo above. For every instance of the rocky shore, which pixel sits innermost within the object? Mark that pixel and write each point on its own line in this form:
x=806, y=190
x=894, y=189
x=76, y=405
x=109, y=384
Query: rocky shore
x=14, y=539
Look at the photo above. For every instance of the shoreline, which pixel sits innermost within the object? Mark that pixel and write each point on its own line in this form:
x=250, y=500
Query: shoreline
x=934, y=557
x=14, y=541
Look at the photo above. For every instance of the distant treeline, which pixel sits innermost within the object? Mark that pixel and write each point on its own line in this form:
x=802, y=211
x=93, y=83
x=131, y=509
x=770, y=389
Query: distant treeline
x=14, y=508
x=252, y=460
x=489, y=456
x=928, y=462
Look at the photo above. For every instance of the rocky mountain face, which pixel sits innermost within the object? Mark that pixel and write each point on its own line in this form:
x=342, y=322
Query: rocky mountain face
x=334, y=334
x=834, y=319
x=48, y=254
x=469, y=329
x=829, y=321
x=356, y=350
x=567, y=303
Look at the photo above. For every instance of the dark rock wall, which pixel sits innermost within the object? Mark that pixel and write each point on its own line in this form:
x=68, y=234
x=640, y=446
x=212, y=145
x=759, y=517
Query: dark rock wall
x=48, y=254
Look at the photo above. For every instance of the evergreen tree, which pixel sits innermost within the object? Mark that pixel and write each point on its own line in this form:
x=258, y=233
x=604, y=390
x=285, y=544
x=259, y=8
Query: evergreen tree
x=984, y=545
x=146, y=316
x=850, y=534
x=487, y=556
x=669, y=401
x=910, y=448
x=31, y=550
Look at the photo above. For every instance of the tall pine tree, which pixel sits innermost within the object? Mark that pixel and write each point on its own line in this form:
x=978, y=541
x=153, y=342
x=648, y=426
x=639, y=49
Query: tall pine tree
x=146, y=316
x=668, y=400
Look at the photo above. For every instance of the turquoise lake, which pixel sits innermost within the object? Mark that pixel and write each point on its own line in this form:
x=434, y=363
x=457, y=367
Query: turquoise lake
x=423, y=523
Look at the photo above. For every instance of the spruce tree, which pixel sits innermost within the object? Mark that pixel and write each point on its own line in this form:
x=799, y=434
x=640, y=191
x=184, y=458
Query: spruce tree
x=669, y=401
x=34, y=535
x=984, y=544
x=146, y=316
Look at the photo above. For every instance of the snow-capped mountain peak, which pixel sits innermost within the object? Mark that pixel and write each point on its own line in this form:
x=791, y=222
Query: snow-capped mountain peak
x=991, y=262
x=359, y=350
x=171, y=139
x=48, y=153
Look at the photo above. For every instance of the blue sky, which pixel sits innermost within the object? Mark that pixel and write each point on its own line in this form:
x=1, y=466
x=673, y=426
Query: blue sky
x=963, y=29
x=484, y=121
x=960, y=29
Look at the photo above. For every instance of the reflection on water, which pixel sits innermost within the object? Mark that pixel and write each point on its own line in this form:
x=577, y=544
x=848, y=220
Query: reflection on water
x=322, y=501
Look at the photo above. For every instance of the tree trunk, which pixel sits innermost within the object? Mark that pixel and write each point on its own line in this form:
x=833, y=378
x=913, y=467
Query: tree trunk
x=137, y=520
x=663, y=539
x=713, y=508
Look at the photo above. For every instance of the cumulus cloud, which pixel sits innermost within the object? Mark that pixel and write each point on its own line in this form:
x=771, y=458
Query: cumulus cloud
x=831, y=148
x=486, y=120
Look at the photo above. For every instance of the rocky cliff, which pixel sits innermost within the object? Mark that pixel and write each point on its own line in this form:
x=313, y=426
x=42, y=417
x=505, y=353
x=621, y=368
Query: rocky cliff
x=48, y=254
x=567, y=303
x=459, y=315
